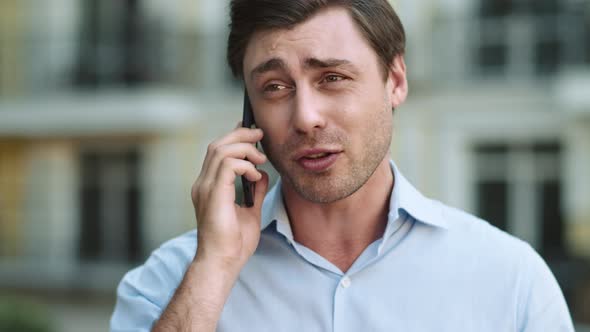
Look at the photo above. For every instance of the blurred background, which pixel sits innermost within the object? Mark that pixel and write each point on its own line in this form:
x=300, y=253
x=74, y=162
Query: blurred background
x=107, y=106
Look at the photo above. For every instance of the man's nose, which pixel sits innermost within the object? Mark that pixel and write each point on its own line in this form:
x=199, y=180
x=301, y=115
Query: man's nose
x=308, y=111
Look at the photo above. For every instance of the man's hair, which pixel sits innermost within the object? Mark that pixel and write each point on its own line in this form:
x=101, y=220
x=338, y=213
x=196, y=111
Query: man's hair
x=376, y=19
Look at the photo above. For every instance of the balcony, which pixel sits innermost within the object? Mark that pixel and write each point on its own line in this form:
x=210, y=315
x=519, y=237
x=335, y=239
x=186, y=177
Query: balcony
x=518, y=47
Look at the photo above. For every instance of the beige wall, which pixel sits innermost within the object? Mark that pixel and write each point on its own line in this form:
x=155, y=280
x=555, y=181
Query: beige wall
x=12, y=176
x=11, y=34
x=577, y=186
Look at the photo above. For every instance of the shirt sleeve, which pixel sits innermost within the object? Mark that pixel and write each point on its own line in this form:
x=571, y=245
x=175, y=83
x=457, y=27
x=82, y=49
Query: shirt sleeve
x=144, y=292
x=543, y=307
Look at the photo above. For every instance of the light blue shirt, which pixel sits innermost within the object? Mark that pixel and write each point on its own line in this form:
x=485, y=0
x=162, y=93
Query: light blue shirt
x=435, y=269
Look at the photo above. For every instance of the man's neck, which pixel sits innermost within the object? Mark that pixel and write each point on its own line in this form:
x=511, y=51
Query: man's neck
x=342, y=230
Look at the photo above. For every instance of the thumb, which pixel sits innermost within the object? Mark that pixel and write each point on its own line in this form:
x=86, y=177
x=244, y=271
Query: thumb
x=260, y=191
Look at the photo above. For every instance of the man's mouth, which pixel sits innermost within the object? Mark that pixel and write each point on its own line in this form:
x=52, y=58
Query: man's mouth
x=317, y=155
x=317, y=161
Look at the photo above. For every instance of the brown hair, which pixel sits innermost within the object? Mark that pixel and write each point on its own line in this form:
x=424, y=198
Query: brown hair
x=376, y=19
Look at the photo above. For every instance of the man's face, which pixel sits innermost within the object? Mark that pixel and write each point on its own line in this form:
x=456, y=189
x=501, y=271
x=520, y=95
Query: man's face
x=318, y=94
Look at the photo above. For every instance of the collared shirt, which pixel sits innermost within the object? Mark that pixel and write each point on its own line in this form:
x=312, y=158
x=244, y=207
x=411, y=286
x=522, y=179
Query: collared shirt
x=435, y=269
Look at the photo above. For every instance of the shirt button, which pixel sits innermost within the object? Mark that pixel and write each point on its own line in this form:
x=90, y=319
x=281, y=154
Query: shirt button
x=345, y=282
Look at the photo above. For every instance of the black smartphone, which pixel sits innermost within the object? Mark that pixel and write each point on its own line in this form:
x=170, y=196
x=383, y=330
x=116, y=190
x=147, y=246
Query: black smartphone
x=248, y=122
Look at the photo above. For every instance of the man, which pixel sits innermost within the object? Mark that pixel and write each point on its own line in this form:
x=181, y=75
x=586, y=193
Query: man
x=343, y=242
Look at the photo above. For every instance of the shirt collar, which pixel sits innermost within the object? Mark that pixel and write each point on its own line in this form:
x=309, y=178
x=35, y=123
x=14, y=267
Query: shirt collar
x=408, y=199
x=404, y=198
x=273, y=208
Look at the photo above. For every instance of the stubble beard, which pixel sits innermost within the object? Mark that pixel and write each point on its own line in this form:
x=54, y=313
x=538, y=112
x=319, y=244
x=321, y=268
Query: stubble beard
x=333, y=184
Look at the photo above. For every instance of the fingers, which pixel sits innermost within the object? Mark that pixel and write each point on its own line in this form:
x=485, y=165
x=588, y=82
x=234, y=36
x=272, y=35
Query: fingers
x=221, y=188
x=230, y=168
x=226, y=159
x=238, y=135
x=236, y=151
x=260, y=192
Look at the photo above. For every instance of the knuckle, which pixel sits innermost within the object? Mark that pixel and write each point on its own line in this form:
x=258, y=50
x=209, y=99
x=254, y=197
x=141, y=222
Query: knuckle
x=212, y=147
x=221, y=150
x=201, y=191
x=195, y=193
x=194, y=190
x=227, y=163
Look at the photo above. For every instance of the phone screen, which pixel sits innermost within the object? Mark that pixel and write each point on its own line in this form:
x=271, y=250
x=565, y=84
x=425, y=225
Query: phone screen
x=247, y=122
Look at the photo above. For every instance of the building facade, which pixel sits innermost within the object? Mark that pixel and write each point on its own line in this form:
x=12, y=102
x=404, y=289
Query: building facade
x=106, y=109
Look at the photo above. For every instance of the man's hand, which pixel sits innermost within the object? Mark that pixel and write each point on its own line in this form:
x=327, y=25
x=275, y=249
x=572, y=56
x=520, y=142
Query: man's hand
x=228, y=233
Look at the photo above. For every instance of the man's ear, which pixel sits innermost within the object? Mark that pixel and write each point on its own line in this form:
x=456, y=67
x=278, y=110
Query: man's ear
x=397, y=83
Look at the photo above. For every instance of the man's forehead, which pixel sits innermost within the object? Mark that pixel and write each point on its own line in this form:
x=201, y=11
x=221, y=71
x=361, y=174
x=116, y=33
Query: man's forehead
x=330, y=34
x=278, y=43
x=325, y=21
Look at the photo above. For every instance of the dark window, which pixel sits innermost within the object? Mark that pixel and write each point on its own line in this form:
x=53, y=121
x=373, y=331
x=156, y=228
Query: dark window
x=543, y=7
x=551, y=217
x=547, y=56
x=492, y=202
x=110, y=197
x=493, y=56
x=546, y=148
x=493, y=148
x=115, y=45
x=491, y=185
x=534, y=36
x=549, y=198
x=548, y=44
x=496, y=8
x=495, y=189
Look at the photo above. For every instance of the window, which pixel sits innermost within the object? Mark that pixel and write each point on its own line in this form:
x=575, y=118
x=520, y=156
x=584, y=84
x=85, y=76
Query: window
x=547, y=56
x=528, y=37
x=116, y=46
x=492, y=185
x=496, y=8
x=518, y=189
x=499, y=8
x=110, y=196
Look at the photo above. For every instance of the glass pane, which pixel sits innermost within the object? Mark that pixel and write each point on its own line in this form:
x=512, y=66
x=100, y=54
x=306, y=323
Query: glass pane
x=113, y=47
x=110, y=209
x=543, y=7
x=552, y=223
x=498, y=148
x=546, y=147
x=492, y=202
x=90, y=237
x=547, y=56
x=493, y=56
x=496, y=8
x=90, y=200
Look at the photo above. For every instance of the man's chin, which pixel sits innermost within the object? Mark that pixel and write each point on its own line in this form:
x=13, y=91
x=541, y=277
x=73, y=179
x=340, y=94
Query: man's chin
x=318, y=197
x=321, y=191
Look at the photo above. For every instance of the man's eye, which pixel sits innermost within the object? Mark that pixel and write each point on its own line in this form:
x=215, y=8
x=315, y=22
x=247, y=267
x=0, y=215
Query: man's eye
x=274, y=87
x=333, y=78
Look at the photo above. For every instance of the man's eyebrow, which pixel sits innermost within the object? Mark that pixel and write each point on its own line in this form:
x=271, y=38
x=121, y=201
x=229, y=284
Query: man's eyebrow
x=269, y=65
x=326, y=63
x=310, y=63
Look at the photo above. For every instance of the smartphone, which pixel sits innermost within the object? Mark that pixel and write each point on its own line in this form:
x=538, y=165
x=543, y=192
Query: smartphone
x=247, y=122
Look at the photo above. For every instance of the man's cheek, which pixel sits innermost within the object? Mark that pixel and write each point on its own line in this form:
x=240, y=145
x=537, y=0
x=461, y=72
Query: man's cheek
x=269, y=146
